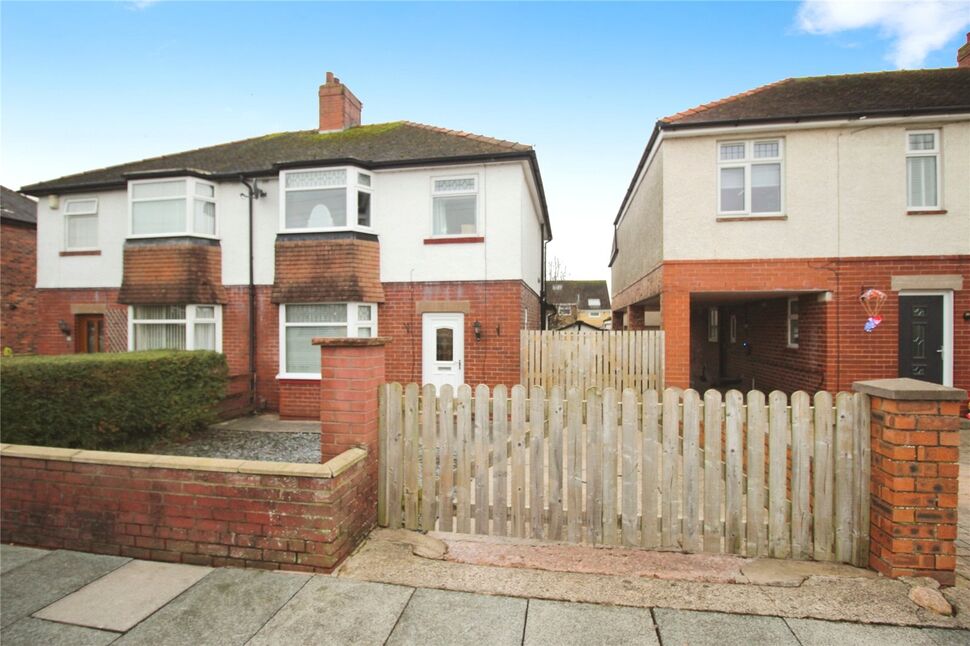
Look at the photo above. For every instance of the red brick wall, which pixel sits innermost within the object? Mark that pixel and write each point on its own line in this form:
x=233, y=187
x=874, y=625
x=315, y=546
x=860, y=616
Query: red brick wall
x=327, y=271
x=54, y=305
x=849, y=353
x=187, y=516
x=532, y=304
x=497, y=305
x=172, y=274
x=18, y=275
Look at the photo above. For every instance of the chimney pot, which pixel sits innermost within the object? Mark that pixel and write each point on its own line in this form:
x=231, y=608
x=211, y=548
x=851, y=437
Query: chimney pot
x=339, y=108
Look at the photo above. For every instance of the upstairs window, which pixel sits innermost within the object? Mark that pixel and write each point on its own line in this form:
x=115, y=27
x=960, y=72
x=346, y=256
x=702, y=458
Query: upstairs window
x=173, y=207
x=299, y=324
x=326, y=198
x=565, y=310
x=923, y=169
x=594, y=303
x=175, y=327
x=81, y=224
x=455, y=206
x=750, y=177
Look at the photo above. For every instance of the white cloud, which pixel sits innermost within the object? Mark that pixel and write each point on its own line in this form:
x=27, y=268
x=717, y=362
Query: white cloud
x=916, y=27
x=138, y=5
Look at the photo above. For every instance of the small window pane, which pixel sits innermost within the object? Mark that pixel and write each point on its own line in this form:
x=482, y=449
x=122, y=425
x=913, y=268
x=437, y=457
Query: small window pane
x=455, y=215
x=205, y=190
x=205, y=217
x=363, y=180
x=316, y=209
x=164, y=216
x=364, y=332
x=159, y=336
x=205, y=312
x=363, y=312
x=732, y=189
x=921, y=177
x=732, y=151
x=461, y=185
x=159, y=312
x=205, y=336
x=334, y=313
x=594, y=302
x=363, y=208
x=766, y=188
x=923, y=141
x=82, y=231
x=316, y=178
x=444, y=344
x=301, y=354
x=82, y=206
x=158, y=189
x=766, y=149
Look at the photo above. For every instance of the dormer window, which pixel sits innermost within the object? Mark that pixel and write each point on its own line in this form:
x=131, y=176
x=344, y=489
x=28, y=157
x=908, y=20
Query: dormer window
x=172, y=207
x=325, y=198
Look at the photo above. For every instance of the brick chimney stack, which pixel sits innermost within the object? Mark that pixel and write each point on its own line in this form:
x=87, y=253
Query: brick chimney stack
x=339, y=108
x=963, y=54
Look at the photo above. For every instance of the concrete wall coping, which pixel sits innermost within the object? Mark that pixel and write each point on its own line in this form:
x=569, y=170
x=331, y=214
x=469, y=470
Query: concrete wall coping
x=352, y=342
x=329, y=469
x=904, y=388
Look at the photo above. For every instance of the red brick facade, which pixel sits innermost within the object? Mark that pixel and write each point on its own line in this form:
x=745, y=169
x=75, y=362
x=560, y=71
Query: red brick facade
x=833, y=349
x=172, y=273
x=327, y=271
x=181, y=515
x=18, y=274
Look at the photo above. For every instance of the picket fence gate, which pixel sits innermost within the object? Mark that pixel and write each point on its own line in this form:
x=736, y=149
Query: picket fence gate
x=586, y=360
x=621, y=468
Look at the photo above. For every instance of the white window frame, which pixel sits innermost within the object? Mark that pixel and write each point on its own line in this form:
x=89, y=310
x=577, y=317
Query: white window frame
x=352, y=185
x=789, y=318
x=560, y=312
x=713, y=325
x=478, y=203
x=746, y=163
x=733, y=328
x=84, y=214
x=189, y=321
x=936, y=152
x=189, y=198
x=352, y=326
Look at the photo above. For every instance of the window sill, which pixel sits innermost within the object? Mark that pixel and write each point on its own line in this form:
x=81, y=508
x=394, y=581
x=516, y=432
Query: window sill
x=85, y=252
x=359, y=229
x=455, y=240
x=936, y=212
x=151, y=236
x=752, y=218
x=297, y=377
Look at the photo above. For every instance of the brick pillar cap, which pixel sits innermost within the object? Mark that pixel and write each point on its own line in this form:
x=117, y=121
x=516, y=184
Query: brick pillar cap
x=908, y=389
x=353, y=342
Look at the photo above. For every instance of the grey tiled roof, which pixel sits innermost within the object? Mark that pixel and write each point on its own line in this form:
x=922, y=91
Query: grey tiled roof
x=14, y=206
x=578, y=292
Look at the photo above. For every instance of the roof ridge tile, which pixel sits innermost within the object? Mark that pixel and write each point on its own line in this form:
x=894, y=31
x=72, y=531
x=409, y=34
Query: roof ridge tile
x=514, y=145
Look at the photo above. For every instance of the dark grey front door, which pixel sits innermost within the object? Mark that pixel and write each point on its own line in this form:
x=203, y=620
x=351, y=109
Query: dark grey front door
x=921, y=337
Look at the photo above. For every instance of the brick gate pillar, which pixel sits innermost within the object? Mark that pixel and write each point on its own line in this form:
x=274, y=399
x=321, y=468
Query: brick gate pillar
x=915, y=468
x=351, y=371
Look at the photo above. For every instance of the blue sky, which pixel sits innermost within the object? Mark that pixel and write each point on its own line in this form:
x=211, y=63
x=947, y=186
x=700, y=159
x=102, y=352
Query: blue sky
x=88, y=85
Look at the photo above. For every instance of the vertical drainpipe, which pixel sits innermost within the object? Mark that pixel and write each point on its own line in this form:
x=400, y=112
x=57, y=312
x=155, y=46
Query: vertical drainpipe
x=253, y=193
x=542, y=282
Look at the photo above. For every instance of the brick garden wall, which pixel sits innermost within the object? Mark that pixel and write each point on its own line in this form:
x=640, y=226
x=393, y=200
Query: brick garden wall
x=187, y=510
x=18, y=275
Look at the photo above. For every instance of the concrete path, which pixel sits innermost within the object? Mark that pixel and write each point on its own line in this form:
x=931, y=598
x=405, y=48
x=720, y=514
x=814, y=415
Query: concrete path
x=76, y=599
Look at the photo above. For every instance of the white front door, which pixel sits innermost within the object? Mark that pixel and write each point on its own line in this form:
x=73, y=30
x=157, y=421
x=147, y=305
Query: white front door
x=443, y=341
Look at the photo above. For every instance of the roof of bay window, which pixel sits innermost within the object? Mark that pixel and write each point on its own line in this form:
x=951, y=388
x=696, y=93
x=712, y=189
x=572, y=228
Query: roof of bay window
x=385, y=144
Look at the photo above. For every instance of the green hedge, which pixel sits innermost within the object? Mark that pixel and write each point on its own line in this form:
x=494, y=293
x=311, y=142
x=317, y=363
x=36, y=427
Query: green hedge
x=109, y=401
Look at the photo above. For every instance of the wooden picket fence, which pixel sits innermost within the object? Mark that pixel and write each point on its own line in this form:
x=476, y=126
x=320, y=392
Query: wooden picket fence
x=618, y=468
x=585, y=360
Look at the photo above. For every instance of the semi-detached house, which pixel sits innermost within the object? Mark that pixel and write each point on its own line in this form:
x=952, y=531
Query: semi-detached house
x=753, y=225
x=430, y=237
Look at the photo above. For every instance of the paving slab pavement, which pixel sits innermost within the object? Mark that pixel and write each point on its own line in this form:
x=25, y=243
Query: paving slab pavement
x=14, y=556
x=120, y=600
x=811, y=632
x=227, y=607
x=678, y=627
x=33, y=632
x=336, y=612
x=443, y=618
x=42, y=581
x=582, y=624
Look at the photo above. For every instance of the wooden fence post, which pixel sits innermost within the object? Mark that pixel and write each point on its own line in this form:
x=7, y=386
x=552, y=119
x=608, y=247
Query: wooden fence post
x=915, y=443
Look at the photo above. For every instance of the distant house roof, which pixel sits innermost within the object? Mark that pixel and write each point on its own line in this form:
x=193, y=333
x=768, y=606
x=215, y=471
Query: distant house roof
x=580, y=326
x=579, y=293
x=16, y=207
x=394, y=144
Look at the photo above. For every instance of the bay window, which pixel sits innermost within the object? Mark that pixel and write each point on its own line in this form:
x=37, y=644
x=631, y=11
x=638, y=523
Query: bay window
x=326, y=198
x=750, y=177
x=81, y=224
x=172, y=207
x=175, y=327
x=455, y=206
x=923, y=169
x=300, y=323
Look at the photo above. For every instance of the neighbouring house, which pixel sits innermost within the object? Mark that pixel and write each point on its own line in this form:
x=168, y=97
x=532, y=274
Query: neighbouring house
x=18, y=272
x=753, y=224
x=572, y=301
x=430, y=237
